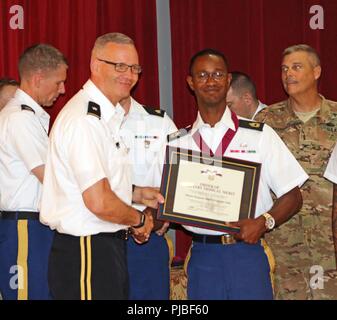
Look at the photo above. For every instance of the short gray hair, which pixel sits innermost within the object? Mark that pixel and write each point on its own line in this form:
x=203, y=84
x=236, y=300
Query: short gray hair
x=114, y=37
x=40, y=57
x=304, y=48
x=242, y=83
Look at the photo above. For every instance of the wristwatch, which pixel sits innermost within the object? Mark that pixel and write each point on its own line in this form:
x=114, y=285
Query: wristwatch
x=142, y=220
x=270, y=221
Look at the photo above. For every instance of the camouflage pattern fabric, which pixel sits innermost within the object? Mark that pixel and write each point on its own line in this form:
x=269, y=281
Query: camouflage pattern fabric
x=303, y=246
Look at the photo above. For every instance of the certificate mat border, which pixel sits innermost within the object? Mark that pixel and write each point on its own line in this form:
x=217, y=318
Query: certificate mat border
x=173, y=156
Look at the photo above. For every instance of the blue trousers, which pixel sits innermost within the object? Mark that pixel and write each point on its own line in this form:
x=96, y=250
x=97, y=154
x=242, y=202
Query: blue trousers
x=149, y=272
x=24, y=251
x=228, y=272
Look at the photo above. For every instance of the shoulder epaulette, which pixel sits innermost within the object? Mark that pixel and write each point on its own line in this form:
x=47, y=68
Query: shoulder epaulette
x=154, y=112
x=178, y=134
x=94, y=109
x=28, y=108
x=251, y=125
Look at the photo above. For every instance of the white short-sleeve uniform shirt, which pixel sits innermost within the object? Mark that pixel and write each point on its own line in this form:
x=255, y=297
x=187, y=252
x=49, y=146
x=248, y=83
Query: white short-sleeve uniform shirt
x=331, y=169
x=23, y=146
x=144, y=132
x=280, y=172
x=84, y=148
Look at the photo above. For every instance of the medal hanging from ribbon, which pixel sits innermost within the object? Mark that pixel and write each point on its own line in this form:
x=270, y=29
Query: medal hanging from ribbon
x=225, y=141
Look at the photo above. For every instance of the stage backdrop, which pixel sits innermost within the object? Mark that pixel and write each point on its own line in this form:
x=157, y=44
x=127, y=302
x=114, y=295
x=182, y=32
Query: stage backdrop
x=252, y=34
x=72, y=26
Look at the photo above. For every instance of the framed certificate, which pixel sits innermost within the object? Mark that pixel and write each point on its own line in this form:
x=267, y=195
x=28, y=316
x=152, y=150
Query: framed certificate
x=207, y=192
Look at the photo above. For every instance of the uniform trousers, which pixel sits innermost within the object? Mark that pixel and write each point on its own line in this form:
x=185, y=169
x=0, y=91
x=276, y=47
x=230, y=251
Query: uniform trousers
x=149, y=269
x=24, y=250
x=89, y=268
x=236, y=271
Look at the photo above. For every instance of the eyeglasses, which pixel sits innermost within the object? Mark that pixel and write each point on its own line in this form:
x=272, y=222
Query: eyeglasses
x=203, y=76
x=123, y=67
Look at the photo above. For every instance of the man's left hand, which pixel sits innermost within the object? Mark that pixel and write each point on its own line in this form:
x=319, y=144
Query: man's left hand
x=251, y=230
x=149, y=197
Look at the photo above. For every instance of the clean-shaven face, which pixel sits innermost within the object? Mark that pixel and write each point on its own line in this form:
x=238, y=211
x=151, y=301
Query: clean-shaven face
x=117, y=84
x=213, y=90
x=52, y=85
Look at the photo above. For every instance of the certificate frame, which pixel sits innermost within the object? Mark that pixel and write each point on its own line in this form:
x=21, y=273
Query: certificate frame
x=173, y=157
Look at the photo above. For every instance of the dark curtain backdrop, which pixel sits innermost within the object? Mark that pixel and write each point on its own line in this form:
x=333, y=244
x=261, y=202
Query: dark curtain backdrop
x=252, y=34
x=72, y=26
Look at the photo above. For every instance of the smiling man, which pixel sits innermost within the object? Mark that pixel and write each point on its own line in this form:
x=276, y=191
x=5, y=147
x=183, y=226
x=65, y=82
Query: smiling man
x=223, y=266
x=307, y=123
x=88, y=188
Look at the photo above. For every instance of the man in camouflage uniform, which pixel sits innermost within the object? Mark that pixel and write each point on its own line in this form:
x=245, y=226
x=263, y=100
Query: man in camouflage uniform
x=307, y=123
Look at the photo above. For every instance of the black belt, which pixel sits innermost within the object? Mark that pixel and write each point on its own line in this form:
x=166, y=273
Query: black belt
x=121, y=234
x=19, y=215
x=224, y=239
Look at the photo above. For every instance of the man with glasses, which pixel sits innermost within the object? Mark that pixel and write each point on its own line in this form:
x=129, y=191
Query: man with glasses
x=307, y=123
x=222, y=265
x=144, y=132
x=88, y=189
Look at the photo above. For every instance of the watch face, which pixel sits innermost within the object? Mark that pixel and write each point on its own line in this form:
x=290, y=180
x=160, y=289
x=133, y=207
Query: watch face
x=270, y=221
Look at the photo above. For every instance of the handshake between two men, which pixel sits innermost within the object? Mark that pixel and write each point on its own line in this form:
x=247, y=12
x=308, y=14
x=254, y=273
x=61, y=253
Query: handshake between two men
x=151, y=198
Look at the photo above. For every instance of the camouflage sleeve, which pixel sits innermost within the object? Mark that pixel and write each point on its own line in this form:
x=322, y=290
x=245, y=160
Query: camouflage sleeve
x=261, y=116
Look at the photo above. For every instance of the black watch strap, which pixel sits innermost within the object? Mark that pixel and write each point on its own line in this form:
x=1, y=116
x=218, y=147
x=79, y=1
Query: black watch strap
x=142, y=220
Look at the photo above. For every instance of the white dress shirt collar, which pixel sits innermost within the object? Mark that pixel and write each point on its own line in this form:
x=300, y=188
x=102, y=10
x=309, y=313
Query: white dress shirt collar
x=108, y=110
x=225, y=122
x=26, y=99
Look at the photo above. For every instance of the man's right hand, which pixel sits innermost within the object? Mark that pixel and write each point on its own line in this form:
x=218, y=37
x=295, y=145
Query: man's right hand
x=143, y=233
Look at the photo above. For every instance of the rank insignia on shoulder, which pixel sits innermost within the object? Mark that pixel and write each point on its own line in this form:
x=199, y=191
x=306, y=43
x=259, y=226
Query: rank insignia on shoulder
x=154, y=112
x=251, y=125
x=25, y=107
x=178, y=134
x=94, y=109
